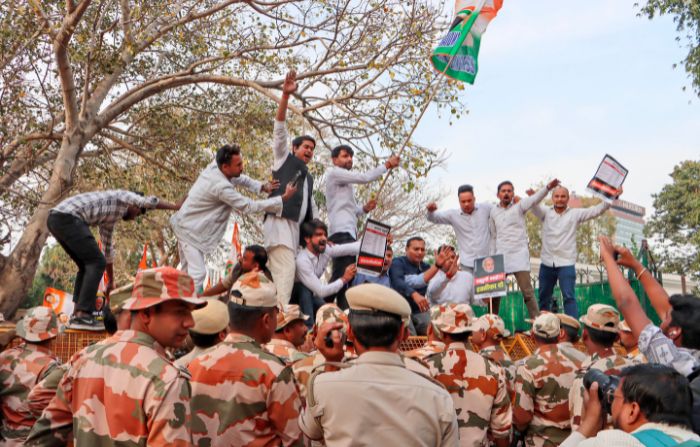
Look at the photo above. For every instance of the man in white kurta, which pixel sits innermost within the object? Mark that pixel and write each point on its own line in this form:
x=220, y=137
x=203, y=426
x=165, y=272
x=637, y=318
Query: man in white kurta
x=509, y=238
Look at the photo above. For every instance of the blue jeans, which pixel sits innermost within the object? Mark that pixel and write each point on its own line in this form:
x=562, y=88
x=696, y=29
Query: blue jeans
x=308, y=303
x=566, y=276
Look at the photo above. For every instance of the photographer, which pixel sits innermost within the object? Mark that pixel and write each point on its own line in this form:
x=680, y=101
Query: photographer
x=676, y=342
x=651, y=406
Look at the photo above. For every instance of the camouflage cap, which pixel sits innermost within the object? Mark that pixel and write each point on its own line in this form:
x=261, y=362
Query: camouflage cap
x=331, y=313
x=118, y=297
x=546, y=325
x=601, y=317
x=161, y=284
x=492, y=324
x=567, y=320
x=289, y=313
x=211, y=319
x=370, y=296
x=624, y=327
x=455, y=318
x=38, y=324
x=254, y=289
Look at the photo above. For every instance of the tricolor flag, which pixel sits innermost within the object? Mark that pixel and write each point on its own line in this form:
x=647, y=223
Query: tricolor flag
x=460, y=47
x=235, y=250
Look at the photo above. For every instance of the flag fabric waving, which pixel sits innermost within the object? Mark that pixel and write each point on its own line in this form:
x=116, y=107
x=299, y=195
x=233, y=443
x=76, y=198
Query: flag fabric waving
x=235, y=250
x=143, y=263
x=460, y=47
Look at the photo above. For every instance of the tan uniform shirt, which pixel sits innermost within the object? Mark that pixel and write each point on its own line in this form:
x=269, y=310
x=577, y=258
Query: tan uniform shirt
x=378, y=402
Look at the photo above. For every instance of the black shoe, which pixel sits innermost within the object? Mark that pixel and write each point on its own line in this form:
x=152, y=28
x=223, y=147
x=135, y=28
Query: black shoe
x=85, y=323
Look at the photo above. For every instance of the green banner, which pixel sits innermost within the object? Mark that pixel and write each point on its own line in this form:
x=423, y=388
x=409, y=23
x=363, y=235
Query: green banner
x=460, y=49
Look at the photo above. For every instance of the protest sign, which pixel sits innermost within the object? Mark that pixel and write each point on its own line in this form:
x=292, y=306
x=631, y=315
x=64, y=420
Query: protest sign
x=373, y=248
x=608, y=179
x=489, y=277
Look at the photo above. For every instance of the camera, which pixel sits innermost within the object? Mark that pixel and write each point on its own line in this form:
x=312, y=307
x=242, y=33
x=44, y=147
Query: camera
x=607, y=384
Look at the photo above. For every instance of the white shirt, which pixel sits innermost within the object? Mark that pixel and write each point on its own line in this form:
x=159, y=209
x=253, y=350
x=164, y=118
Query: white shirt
x=202, y=219
x=343, y=210
x=277, y=229
x=458, y=289
x=619, y=438
x=509, y=233
x=472, y=231
x=559, y=232
x=310, y=268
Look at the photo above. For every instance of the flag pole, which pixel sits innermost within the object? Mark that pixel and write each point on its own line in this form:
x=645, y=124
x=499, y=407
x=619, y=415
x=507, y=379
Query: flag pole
x=430, y=99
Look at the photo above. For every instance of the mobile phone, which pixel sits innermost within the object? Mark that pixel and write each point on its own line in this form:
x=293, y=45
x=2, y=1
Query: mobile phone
x=295, y=179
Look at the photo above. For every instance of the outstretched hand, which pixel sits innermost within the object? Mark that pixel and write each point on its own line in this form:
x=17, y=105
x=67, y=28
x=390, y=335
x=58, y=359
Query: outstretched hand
x=290, y=83
x=552, y=184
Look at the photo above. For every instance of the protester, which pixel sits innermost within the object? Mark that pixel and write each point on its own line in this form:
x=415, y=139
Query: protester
x=542, y=386
x=309, y=290
x=239, y=377
x=21, y=368
x=470, y=224
x=383, y=279
x=399, y=407
x=254, y=258
x=558, y=254
x=289, y=335
x=42, y=393
x=328, y=313
x=451, y=285
x=509, y=238
x=70, y=221
x=434, y=342
x=651, y=406
x=676, y=342
x=153, y=405
x=599, y=334
x=343, y=210
x=414, y=289
x=569, y=336
x=202, y=220
x=210, y=328
x=281, y=231
x=630, y=342
x=488, y=333
x=478, y=386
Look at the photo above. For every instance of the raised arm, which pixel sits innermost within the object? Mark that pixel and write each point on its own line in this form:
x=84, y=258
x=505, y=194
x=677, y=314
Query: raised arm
x=626, y=300
x=528, y=202
x=279, y=134
x=584, y=214
x=657, y=294
x=437, y=217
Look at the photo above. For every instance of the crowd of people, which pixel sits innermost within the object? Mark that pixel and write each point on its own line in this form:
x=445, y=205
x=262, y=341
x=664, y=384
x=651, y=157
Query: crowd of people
x=280, y=356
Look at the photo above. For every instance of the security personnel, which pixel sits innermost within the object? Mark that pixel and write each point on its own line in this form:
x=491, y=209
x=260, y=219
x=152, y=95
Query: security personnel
x=376, y=400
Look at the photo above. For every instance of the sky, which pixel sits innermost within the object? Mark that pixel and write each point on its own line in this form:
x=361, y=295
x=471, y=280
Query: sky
x=559, y=87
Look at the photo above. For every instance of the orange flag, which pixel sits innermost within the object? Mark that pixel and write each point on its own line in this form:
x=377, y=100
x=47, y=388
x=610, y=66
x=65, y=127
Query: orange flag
x=143, y=263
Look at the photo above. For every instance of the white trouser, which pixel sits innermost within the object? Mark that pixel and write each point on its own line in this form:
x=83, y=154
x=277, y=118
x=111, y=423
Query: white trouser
x=282, y=264
x=192, y=262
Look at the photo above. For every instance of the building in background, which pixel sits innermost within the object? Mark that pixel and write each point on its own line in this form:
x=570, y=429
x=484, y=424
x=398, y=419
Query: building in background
x=629, y=219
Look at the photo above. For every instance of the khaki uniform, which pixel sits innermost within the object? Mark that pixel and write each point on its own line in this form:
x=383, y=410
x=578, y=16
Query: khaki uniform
x=611, y=364
x=479, y=391
x=379, y=402
x=243, y=396
x=285, y=350
x=542, y=386
x=20, y=370
x=124, y=391
x=428, y=349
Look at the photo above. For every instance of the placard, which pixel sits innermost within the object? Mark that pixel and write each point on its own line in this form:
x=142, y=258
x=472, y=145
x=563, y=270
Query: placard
x=608, y=179
x=370, y=260
x=489, y=277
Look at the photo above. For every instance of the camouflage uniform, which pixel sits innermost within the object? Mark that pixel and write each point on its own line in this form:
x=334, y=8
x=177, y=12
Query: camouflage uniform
x=429, y=348
x=125, y=391
x=610, y=364
x=498, y=355
x=542, y=385
x=478, y=386
x=20, y=369
x=572, y=352
x=284, y=350
x=243, y=396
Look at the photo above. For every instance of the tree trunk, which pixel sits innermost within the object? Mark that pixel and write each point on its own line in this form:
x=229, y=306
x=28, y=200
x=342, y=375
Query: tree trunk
x=17, y=272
